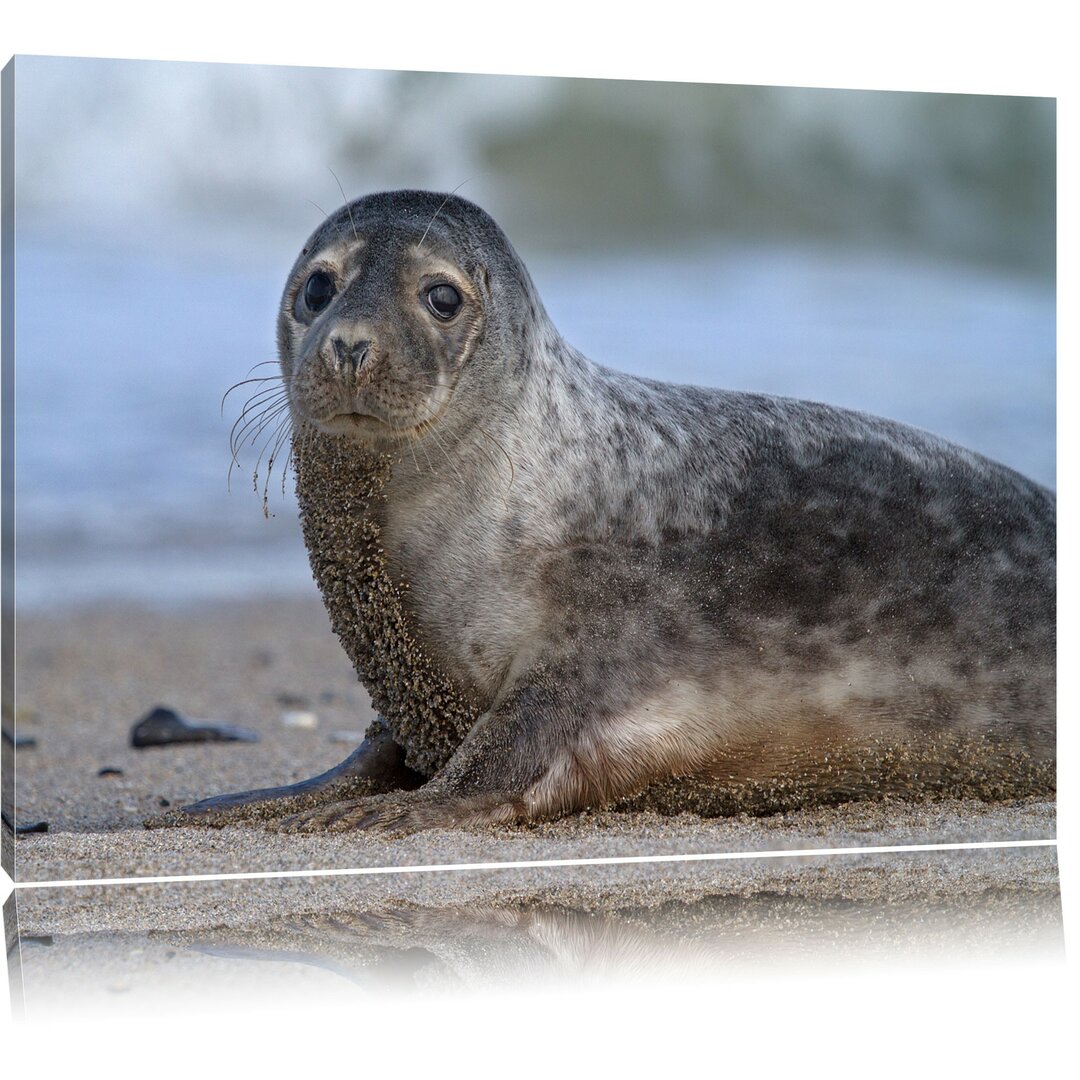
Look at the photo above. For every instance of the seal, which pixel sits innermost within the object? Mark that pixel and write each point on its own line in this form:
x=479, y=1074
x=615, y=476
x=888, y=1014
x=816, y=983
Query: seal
x=565, y=586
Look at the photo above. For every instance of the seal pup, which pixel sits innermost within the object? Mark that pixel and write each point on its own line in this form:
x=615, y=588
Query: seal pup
x=565, y=586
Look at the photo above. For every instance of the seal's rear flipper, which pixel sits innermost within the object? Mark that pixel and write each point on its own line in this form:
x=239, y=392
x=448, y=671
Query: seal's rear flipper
x=376, y=765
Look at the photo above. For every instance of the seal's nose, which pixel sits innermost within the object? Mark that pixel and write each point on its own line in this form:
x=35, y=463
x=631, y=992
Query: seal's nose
x=350, y=355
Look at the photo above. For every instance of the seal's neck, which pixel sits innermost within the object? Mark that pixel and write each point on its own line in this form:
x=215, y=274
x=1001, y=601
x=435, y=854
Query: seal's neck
x=341, y=489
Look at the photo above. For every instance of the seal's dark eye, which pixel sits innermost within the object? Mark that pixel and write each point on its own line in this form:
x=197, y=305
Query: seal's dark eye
x=444, y=300
x=318, y=291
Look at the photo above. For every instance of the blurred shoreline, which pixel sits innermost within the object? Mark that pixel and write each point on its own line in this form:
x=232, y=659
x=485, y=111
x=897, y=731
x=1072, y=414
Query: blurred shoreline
x=575, y=163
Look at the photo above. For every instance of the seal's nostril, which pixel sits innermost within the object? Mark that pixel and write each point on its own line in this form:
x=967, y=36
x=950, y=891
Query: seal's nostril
x=350, y=353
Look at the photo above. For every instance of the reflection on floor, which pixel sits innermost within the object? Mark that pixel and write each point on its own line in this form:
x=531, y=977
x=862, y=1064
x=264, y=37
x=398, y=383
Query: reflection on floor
x=130, y=948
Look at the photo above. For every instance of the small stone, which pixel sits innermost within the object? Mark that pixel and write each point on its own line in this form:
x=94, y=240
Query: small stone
x=298, y=718
x=110, y=770
x=20, y=742
x=291, y=701
x=22, y=830
x=163, y=727
x=163, y=801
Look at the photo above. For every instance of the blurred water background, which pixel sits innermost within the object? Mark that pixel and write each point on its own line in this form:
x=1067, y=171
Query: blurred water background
x=891, y=252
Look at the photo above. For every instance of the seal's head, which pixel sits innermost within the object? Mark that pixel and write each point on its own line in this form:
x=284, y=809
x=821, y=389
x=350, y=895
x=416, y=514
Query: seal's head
x=392, y=298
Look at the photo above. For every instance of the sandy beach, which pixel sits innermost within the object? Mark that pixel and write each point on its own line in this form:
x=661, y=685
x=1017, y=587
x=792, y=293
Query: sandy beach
x=86, y=678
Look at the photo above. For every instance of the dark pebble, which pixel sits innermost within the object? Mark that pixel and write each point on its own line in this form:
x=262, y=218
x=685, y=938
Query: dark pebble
x=20, y=830
x=163, y=727
x=110, y=770
x=291, y=701
x=35, y=939
x=13, y=738
x=163, y=801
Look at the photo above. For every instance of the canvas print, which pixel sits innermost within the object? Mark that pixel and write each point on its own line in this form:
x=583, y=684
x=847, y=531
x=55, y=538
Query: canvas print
x=415, y=469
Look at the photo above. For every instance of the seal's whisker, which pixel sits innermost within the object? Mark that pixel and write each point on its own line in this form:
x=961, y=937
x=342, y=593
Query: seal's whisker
x=263, y=396
x=412, y=450
x=348, y=206
x=472, y=392
x=245, y=382
x=494, y=461
x=283, y=432
x=244, y=421
x=509, y=459
x=267, y=418
x=414, y=438
x=274, y=440
x=439, y=211
x=260, y=398
x=430, y=425
x=288, y=463
x=265, y=363
x=256, y=424
x=254, y=417
x=427, y=456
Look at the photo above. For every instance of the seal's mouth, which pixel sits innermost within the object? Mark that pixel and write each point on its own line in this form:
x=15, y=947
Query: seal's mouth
x=366, y=429
x=354, y=423
x=359, y=418
x=367, y=422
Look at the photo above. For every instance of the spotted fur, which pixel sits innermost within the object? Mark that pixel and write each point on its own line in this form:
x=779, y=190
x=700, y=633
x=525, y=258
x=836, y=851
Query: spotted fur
x=570, y=585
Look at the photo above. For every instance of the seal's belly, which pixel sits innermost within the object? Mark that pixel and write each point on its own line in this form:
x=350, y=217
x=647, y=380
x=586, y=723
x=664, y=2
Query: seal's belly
x=768, y=749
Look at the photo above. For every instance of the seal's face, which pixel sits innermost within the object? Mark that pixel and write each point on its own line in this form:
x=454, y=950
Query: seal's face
x=377, y=321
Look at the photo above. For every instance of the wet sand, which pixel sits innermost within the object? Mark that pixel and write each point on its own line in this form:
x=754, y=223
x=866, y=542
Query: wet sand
x=333, y=940
x=85, y=678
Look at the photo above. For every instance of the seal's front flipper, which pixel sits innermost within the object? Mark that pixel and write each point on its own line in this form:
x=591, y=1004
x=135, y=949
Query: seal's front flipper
x=376, y=765
x=399, y=813
x=542, y=752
